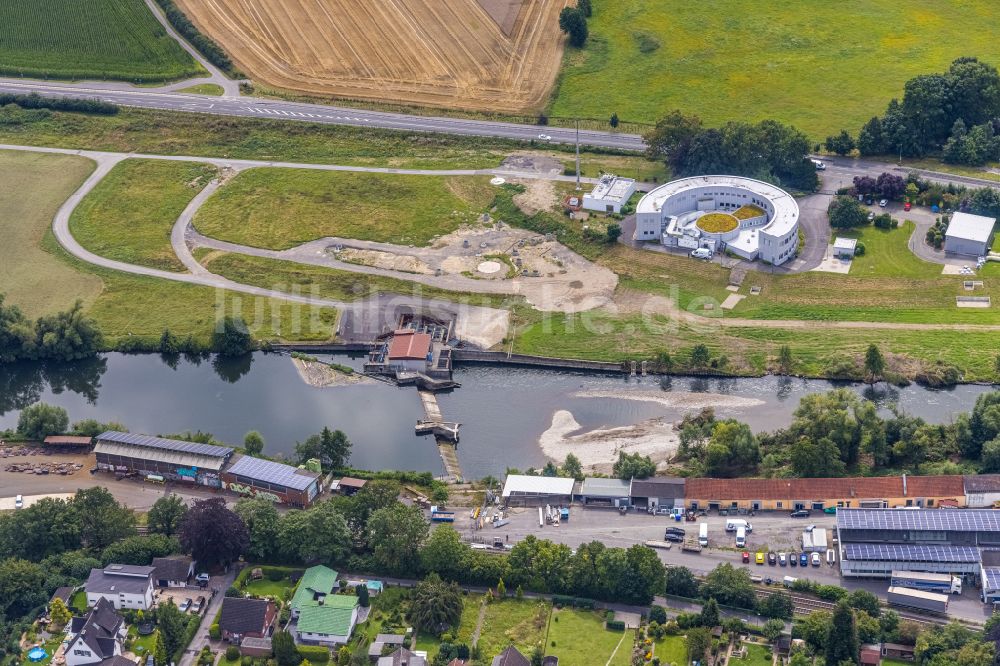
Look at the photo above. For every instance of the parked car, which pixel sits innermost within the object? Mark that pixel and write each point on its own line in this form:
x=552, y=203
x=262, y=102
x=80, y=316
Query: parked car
x=832, y=510
x=816, y=559
x=544, y=137
x=883, y=203
x=871, y=216
x=701, y=253
x=675, y=530
x=202, y=579
x=782, y=559
x=793, y=560
x=803, y=559
x=907, y=206
x=801, y=513
x=676, y=538
x=19, y=502
x=199, y=604
x=746, y=557
x=185, y=605
x=759, y=558
x=771, y=559
x=869, y=201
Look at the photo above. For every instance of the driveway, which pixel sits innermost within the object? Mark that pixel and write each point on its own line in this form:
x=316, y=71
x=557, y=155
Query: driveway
x=201, y=637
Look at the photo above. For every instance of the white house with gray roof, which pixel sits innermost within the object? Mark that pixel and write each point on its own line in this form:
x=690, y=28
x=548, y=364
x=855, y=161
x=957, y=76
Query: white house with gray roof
x=124, y=585
x=95, y=638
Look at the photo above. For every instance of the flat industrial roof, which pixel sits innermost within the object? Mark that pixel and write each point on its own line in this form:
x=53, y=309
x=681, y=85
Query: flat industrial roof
x=537, y=485
x=967, y=226
x=179, y=458
x=904, y=552
x=149, y=442
x=273, y=472
x=841, y=243
x=786, y=210
x=612, y=188
x=597, y=487
x=952, y=520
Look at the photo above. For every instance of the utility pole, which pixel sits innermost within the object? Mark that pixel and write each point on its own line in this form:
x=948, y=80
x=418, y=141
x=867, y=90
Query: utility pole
x=578, y=188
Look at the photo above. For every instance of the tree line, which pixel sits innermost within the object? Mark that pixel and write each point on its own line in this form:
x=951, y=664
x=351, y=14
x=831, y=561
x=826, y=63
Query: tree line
x=205, y=45
x=75, y=104
x=63, y=336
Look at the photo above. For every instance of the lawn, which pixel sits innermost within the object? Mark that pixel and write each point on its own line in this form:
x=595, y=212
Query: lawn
x=671, y=650
x=757, y=655
x=204, y=89
x=818, y=65
x=282, y=208
x=521, y=623
x=140, y=644
x=78, y=602
x=265, y=587
x=887, y=253
x=69, y=39
x=129, y=215
x=581, y=639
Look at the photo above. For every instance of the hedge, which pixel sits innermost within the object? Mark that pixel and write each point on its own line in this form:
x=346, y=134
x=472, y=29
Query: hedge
x=208, y=48
x=615, y=625
x=78, y=104
x=573, y=602
x=314, y=654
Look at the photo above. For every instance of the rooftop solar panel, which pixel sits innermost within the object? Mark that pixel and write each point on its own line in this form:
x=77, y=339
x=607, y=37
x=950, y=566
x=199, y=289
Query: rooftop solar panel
x=166, y=444
x=992, y=575
x=889, y=552
x=272, y=472
x=953, y=520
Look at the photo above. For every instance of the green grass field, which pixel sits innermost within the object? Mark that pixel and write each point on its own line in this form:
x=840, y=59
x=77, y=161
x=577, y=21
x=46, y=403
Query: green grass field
x=671, y=650
x=521, y=623
x=107, y=39
x=818, y=65
x=282, y=208
x=129, y=215
x=204, y=89
x=757, y=655
x=581, y=639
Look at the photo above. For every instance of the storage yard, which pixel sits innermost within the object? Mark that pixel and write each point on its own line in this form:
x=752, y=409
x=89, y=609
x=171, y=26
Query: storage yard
x=490, y=56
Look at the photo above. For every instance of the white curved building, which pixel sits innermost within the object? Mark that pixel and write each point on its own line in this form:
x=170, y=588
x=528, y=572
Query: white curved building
x=754, y=219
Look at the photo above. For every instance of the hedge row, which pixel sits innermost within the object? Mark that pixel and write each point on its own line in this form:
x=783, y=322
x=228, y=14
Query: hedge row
x=206, y=46
x=574, y=602
x=615, y=625
x=78, y=104
x=314, y=654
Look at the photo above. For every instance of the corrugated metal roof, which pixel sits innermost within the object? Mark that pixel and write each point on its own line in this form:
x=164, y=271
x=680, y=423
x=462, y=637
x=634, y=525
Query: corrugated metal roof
x=982, y=483
x=658, y=486
x=178, y=445
x=273, y=472
x=597, y=487
x=160, y=455
x=537, y=485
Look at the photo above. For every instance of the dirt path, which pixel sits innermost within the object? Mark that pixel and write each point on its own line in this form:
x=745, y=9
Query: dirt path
x=479, y=622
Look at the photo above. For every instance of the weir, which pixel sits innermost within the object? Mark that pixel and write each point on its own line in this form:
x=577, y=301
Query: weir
x=445, y=434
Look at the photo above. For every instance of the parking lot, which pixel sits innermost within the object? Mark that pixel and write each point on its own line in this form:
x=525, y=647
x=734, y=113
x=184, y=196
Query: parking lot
x=180, y=594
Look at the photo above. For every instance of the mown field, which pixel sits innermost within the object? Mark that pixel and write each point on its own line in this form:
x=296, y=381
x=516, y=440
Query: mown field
x=282, y=208
x=128, y=216
x=40, y=277
x=821, y=66
x=95, y=39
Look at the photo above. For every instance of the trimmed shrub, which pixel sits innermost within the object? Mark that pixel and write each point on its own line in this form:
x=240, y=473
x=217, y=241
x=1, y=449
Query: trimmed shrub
x=615, y=625
x=232, y=653
x=314, y=654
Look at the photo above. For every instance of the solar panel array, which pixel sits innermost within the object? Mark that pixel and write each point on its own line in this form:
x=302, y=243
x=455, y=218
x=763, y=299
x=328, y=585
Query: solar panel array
x=890, y=552
x=949, y=520
x=272, y=472
x=165, y=444
x=992, y=575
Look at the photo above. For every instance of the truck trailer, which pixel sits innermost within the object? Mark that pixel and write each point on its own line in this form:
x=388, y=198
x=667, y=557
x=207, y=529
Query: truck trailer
x=928, y=582
x=919, y=599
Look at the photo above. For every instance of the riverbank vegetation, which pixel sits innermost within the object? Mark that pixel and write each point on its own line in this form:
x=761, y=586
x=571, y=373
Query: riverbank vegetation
x=129, y=215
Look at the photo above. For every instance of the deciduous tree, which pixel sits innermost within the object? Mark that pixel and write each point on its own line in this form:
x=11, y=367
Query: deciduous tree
x=842, y=640
x=212, y=533
x=253, y=443
x=435, y=604
x=40, y=420
x=395, y=534
x=102, y=519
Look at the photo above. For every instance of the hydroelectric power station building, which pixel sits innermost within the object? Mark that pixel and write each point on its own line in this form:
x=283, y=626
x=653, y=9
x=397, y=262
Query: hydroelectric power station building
x=746, y=217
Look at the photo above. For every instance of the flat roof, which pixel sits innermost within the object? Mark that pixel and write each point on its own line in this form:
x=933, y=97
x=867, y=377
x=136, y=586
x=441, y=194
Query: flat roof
x=69, y=440
x=273, y=472
x=949, y=520
x=537, y=485
x=149, y=442
x=841, y=243
x=597, y=487
x=786, y=210
x=904, y=552
x=967, y=226
x=160, y=455
x=409, y=345
x=612, y=188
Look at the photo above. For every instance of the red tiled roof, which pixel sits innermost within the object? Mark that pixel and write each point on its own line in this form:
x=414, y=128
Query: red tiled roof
x=935, y=486
x=807, y=489
x=409, y=346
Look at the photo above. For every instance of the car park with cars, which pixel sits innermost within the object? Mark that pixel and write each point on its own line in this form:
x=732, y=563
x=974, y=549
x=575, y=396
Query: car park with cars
x=771, y=559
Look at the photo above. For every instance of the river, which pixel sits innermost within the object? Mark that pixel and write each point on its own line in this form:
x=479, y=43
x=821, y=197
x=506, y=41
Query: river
x=503, y=410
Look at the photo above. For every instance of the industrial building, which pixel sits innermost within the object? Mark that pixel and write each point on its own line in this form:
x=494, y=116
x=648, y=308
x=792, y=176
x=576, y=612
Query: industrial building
x=522, y=490
x=982, y=491
x=969, y=234
x=605, y=492
x=749, y=218
x=161, y=459
x=879, y=560
x=657, y=492
x=270, y=480
x=610, y=194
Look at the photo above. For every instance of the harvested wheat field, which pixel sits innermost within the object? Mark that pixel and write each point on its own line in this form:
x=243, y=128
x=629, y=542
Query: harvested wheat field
x=489, y=55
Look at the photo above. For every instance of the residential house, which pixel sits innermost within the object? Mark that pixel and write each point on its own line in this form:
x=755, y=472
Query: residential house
x=982, y=491
x=174, y=571
x=323, y=617
x=511, y=657
x=242, y=618
x=402, y=657
x=124, y=585
x=97, y=637
x=316, y=582
x=382, y=640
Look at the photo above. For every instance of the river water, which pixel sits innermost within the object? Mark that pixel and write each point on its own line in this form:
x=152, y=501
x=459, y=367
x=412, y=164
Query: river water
x=503, y=410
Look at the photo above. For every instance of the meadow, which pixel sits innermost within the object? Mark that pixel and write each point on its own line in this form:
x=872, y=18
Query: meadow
x=104, y=39
x=282, y=208
x=818, y=65
x=128, y=216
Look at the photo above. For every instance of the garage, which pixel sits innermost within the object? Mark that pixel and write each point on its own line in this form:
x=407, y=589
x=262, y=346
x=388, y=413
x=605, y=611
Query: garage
x=968, y=234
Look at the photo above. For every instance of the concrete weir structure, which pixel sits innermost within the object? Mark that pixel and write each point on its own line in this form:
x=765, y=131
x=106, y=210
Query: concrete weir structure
x=749, y=218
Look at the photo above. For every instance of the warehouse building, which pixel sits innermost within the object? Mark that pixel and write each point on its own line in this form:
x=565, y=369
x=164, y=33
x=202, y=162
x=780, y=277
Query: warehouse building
x=879, y=560
x=982, y=491
x=658, y=492
x=605, y=492
x=161, y=459
x=272, y=481
x=522, y=490
x=969, y=234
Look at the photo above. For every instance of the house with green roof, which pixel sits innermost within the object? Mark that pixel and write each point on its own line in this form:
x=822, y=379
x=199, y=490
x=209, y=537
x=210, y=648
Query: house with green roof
x=322, y=617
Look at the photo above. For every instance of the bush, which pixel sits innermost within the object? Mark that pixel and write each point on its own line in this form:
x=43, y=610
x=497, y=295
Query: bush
x=36, y=101
x=232, y=653
x=615, y=625
x=214, y=632
x=314, y=654
x=859, y=250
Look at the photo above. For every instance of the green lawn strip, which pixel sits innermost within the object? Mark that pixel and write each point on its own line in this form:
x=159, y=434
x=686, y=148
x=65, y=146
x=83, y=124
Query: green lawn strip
x=282, y=208
x=128, y=216
x=757, y=655
x=328, y=282
x=68, y=39
x=755, y=61
x=518, y=622
x=78, y=602
x=140, y=644
x=471, y=603
x=672, y=650
x=204, y=89
x=34, y=186
x=579, y=638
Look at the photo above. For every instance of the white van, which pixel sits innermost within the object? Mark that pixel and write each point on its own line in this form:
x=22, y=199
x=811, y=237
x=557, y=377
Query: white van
x=733, y=523
x=703, y=534
x=820, y=166
x=741, y=537
x=701, y=253
x=787, y=581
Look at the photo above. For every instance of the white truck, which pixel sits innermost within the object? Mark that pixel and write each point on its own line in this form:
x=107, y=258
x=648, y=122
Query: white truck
x=703, y=534
x=928, y=582
x=919, y=599
x=733, y=523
